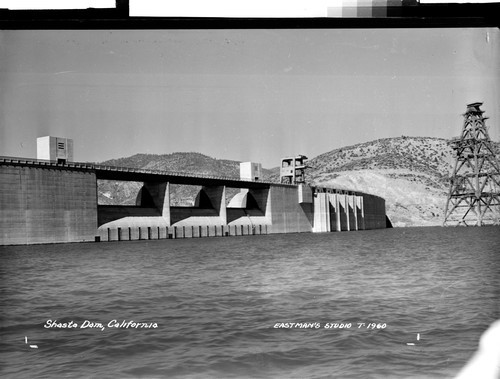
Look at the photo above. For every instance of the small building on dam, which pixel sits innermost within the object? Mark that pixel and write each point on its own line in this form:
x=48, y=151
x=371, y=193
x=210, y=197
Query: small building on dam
x=54, y=200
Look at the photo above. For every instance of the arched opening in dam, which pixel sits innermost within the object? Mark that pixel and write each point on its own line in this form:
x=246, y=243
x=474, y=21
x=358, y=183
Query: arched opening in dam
x=184, y=209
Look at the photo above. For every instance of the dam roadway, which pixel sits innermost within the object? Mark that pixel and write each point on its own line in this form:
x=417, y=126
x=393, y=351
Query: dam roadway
x=46, y=202
x=104, y=172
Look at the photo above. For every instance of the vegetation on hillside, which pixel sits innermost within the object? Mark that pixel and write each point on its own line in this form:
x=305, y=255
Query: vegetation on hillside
x=411, y=173
x=125, y=193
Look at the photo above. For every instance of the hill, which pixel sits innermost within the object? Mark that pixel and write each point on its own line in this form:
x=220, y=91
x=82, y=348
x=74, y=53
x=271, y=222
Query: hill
x=183, y=162
x=125, y=193
x=411, y=173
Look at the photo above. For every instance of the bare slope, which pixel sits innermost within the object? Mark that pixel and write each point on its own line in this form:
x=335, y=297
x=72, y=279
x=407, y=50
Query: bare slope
x=411, y=173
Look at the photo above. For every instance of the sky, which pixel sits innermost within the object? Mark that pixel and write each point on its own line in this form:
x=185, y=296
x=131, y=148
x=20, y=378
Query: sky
x=246, y=95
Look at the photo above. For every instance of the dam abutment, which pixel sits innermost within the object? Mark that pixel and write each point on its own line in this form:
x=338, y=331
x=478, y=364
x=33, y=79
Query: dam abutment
x=47, y=205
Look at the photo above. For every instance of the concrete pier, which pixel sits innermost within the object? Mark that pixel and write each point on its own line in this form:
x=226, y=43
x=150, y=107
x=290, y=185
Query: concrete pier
x=340, y=210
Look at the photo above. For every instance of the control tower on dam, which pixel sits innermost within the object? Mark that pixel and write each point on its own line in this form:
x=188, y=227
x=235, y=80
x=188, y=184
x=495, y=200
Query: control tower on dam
x=53, y=201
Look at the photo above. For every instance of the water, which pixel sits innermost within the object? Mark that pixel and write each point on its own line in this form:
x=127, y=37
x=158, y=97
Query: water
x=216, y=301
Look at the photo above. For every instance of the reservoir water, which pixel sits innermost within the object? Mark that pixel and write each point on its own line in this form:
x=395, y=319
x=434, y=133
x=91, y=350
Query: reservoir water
x=251, y=307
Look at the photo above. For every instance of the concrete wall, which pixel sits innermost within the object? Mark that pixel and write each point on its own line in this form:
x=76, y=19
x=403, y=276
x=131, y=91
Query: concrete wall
x=347, y=212
x=44, y=205
x=374, y=208
x=180, y=214
x=112, y=232
x=285, y=212
x=160, y=193
x=322, y=215
x=125, y=214
x=59, y=204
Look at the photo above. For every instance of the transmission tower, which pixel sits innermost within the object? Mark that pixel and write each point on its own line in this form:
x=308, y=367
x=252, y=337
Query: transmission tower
x=474, y=196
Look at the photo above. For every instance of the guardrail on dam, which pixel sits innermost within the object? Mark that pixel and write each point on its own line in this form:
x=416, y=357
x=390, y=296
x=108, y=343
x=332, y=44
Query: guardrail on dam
x=46, y=202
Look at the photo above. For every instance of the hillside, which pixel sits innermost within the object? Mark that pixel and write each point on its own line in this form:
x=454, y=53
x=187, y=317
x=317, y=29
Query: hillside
x=411, y=173
x=125, y=193
x=183, y=162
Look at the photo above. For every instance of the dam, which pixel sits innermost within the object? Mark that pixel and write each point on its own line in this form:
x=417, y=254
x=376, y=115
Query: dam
x=51, y=202
x=52, y=199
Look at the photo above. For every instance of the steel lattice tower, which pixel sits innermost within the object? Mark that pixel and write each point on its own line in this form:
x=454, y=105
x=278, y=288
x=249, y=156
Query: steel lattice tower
x=474, y=196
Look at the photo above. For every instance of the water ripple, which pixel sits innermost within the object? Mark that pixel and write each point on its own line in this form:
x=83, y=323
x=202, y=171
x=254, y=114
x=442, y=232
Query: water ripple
x=216, y=302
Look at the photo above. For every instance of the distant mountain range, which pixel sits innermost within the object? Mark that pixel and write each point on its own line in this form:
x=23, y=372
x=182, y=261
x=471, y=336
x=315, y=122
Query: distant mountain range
x=411, y=173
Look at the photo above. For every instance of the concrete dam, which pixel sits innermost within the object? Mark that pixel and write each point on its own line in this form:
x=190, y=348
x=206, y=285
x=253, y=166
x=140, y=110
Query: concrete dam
x=50, y=202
